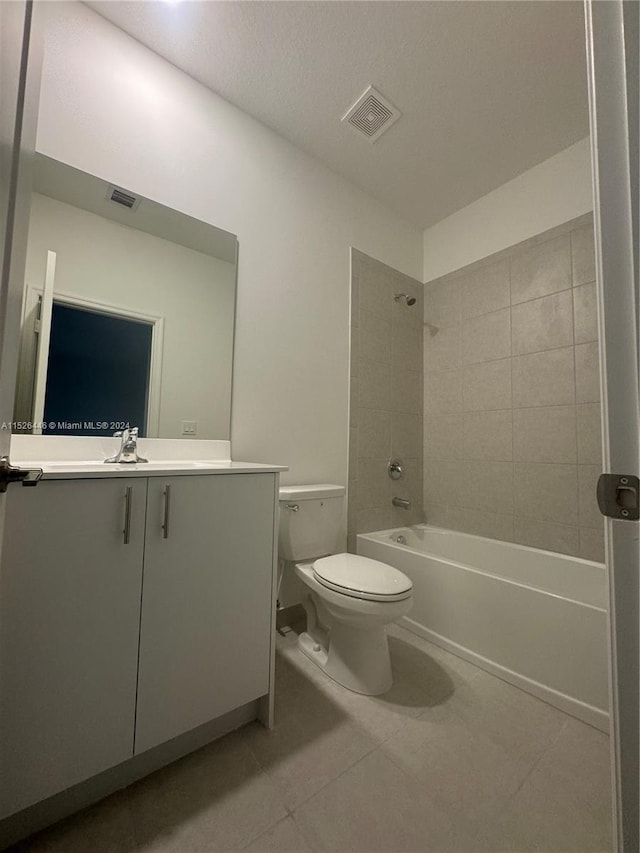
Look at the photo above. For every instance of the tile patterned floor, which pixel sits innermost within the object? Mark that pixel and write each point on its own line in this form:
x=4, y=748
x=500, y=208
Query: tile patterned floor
x=451, y=760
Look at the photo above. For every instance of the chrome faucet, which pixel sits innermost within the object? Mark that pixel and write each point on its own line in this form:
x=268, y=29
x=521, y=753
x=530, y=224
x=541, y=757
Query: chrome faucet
x=128, y=452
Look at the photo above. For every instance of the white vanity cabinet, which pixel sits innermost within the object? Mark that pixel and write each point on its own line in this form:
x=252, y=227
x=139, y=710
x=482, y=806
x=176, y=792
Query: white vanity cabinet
x=133, y=610
x=69, y=621
x=205, y=636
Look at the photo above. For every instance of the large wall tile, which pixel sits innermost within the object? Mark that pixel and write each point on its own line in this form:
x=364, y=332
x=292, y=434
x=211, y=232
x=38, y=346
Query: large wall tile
x=442, y=350
x=353, y=453
x=490, y=524
x=485, y=290
x=374, y=384
x=589, y=434
x=592, y=543
x=442, y=303
x=544, y=378
x=542, y=324
x=406, y=390
x=590, y=515
x=546, y=492
x=438, y=514
x=354, y=400
x=443, y=392
x=443, y=436
x=355, y=351
x=487, y=386
x=585, y=313
x=387, y=374
x=583, y=255
x=375, y=289
x=587, y=373
x=550, y=537
x=545, y=434
x=407, y=348
x=488, y=486
x=406, y=435
x=443, y=481
x=373, y=518
x=372, y=483
x=488, y=435
x=516, y=399
x=374, y=338
x=541, y=269
x=374, y=434
x=486, y=338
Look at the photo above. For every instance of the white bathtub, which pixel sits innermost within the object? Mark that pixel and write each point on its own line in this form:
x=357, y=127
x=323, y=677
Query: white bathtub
x=534, y=618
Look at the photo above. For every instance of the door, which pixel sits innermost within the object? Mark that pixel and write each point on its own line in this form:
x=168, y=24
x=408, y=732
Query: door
x=69, y=625
x=205, y=636
x=20, y=61
x=98, y=372
x=45, y=314
x=612, y=58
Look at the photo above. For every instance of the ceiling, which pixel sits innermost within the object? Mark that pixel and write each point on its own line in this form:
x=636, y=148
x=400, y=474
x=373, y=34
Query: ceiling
x=486, y=89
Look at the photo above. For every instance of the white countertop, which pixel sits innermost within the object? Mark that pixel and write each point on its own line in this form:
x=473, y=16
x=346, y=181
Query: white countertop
x=99, y=470
x=63, y=458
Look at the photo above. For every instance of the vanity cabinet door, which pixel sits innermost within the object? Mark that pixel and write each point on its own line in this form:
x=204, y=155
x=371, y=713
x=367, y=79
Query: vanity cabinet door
x=206, y=603
x=69, y=622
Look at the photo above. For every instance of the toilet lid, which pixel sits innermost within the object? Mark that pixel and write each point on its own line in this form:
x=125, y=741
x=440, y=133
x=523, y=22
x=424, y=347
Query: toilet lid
x=360, y=577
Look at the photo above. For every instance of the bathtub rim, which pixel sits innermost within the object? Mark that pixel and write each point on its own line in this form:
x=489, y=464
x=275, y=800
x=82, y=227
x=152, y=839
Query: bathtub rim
x=377, y=536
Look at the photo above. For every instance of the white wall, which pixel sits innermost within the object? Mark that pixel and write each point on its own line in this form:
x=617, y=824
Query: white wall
x=553, y=192
x=112, y=108
x=105, y=262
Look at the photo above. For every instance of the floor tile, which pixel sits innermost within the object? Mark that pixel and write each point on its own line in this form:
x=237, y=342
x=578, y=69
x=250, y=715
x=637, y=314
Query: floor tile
x=451, y=760
x=314, y=740
x=514, y=720
x=217, y=799
x=373, y=807
x=107, y=827
x=548, y=815
x=456, y=765
x=284, y=837
x=419, y=682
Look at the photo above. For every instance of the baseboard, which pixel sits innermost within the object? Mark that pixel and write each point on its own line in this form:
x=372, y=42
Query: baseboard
x=595, y=717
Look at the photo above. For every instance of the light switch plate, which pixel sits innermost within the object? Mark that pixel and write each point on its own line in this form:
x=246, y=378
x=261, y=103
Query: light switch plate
x=189, y=427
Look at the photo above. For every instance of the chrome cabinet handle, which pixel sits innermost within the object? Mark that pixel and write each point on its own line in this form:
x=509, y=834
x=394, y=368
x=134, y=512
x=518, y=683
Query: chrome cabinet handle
x=127, y=515
x=292, y=507
x=167, y=509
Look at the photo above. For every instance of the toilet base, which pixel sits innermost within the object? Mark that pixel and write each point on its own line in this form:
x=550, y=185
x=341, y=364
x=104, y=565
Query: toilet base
x=358, y=659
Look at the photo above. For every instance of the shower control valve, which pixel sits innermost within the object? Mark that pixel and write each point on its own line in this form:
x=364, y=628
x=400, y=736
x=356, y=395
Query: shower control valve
x=395, y=469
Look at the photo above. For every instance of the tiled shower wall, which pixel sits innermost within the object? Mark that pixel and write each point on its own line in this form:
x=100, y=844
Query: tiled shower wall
x=386, y=397
x=511, y=395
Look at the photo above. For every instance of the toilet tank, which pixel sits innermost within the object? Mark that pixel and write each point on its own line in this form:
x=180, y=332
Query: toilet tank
x=309, y=520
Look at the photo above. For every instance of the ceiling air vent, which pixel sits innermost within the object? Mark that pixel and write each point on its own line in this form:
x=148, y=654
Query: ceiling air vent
x=371, y=114
x=122, y=197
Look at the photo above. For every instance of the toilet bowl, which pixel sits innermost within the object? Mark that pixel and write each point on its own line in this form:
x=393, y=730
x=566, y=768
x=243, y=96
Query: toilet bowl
x=348, y=599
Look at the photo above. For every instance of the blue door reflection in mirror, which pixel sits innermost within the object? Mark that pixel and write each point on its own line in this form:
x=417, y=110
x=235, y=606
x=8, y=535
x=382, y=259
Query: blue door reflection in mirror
x=98, y=373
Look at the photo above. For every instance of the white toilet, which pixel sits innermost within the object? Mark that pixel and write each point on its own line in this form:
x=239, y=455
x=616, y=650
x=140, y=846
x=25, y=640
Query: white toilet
x=348, y=599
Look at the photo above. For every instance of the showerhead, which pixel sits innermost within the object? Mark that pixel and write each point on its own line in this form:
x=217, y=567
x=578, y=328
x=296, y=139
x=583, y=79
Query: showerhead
x=404, y=297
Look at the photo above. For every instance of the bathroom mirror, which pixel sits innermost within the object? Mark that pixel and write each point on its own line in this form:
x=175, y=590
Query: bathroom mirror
x=128, y=314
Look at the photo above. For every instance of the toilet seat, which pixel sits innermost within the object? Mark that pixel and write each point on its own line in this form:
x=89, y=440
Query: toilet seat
x=361, y=577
